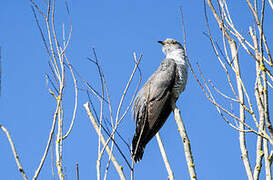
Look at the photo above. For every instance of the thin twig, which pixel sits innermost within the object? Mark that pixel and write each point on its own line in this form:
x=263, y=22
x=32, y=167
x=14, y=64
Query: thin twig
x=136, y=61
x=48, y=142
x=109, y=135
x=113, y=159
x=221, y=93
x=217, y=54
x=51, y=83
x=75, y=104
x=0, y=70
x=164, y=156
x=52, y=161
x=126, y=88
x=183, y=29
x=87, y=84
x=15, y=154
x=180, y=124
x=118, y=120
x=119, y=108
x=37, y=7
x=70, y=32
x=77, y=171
x=43, y=38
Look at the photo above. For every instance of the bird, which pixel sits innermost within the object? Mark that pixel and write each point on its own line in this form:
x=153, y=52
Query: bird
x=154, y=101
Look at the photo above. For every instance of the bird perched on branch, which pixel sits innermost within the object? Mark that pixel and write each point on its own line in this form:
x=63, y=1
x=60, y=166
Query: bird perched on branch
x=153, y=103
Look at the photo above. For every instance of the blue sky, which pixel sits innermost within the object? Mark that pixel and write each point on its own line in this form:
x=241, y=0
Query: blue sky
x=115, y=29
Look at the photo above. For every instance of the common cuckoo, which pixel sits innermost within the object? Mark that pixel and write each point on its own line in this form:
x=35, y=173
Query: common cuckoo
x=154, y=101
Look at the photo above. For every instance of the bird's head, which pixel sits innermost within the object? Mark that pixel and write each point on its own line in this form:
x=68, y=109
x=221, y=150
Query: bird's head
x=170, y=45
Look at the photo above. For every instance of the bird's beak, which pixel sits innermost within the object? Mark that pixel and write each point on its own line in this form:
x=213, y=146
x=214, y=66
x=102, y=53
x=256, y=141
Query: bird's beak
x=161, y=42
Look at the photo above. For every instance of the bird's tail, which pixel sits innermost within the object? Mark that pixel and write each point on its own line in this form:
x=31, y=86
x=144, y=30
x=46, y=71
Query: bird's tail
x=137, y=148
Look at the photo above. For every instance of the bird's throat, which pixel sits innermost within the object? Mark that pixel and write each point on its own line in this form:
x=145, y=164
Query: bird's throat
x=177, y=55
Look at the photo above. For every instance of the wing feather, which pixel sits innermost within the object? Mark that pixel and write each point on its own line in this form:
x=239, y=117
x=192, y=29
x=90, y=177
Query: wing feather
x=152, y=105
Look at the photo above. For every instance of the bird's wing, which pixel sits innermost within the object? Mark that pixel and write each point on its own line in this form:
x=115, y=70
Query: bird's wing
x=160, y=100
x=152, y=105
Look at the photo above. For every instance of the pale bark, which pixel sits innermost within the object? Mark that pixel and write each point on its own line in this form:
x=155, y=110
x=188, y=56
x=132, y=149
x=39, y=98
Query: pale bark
x=96, y=127
x=234, y=53
x=164, y=156
x=15, y=154
x=186, y=143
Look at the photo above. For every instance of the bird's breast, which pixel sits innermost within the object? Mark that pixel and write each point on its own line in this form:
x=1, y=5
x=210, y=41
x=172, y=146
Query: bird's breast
x=180, y=79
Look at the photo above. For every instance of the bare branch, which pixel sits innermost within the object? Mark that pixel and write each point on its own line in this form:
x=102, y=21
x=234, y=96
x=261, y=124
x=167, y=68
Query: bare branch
x=234, y=52
x=259, y=149
x=48, y=142
x=87, y=84
x=270, y=3
x=0, y=70
x=15, y=154
x=43, y=38
x=76, y=101
x=222, y=94
x=136, y=61
x=52, y=161
x=164, y=156
x=186, y=142
x=183, y=29
x=113, y=159
x=229, y=32
x=117, y=122
x=77, y=170
x=267, y=162
x=127, y=86
x=109, y=135
x=66, y=43
x=37, y=7
x=270, y=157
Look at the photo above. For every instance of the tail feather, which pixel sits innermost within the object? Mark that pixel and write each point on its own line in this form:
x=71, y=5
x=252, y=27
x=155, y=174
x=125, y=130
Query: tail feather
x=137, y=149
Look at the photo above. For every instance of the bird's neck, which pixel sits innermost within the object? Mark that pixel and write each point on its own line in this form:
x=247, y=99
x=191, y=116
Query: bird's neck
x=178, y=55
